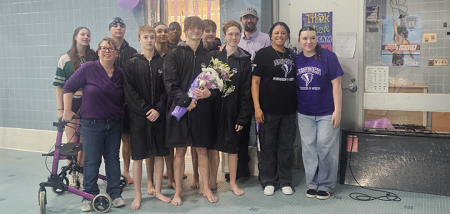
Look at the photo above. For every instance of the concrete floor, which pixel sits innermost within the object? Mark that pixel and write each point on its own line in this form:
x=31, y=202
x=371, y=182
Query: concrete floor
x=22, y=171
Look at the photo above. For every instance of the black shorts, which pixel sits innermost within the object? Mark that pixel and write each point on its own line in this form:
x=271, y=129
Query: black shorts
x=76, y=103
x=126, y=121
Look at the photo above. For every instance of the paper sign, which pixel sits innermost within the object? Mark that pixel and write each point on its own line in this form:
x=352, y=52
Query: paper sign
x=345, y=44
x=377, y=79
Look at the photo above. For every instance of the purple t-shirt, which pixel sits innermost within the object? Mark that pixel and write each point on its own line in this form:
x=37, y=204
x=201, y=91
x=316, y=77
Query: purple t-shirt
x=315, y=94
x=102, y=95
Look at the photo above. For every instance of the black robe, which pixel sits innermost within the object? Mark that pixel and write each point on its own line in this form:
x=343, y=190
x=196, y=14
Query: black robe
x=195, y=128
x=236, y=108
x=144, y=90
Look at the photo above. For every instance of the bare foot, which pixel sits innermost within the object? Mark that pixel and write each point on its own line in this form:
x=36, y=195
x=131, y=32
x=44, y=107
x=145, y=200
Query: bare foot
x=171, y=184
x=184, y=176
x=150, y=189
x=163, y=198
x=177, y=200
x=195, y=184
x=213, y=186
x=166, y=176
x=211, y=197
x=130, y=180
x=237, y=191
x=136, y=202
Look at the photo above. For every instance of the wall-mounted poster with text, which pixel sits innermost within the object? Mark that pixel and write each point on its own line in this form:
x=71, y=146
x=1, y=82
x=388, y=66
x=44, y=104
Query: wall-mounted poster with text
x=322, y=22
x=401, y=40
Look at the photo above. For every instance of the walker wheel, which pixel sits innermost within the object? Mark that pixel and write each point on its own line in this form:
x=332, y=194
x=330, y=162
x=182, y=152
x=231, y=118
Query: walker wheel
x=102, y=203
x=123, y=181
x=42, y=201
x=65, y=181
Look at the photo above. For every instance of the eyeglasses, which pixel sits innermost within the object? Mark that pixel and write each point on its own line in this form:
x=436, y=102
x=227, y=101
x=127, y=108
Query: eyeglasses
x=233, y=34
x=249, y=17
x=103, y=49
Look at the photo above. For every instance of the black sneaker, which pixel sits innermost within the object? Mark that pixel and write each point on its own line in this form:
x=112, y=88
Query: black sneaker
x=323, y=195
x=311, y=193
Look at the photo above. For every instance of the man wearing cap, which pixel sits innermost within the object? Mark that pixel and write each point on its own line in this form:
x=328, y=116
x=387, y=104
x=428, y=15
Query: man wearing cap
x=174, y=33
x=117, y=29
x=252, y=40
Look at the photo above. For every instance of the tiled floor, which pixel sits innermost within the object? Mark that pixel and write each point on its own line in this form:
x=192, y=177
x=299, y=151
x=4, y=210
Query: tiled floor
x=21, y=172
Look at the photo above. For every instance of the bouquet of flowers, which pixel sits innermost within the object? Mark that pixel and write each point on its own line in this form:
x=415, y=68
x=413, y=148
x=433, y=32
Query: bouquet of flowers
x=214, y=76
x=225, y=73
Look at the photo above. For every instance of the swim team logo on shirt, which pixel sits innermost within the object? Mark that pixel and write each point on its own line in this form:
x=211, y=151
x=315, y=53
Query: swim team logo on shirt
x=286, y=66
x=307, y=75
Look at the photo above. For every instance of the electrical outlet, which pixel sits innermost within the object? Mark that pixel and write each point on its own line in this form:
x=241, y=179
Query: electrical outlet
x=440, y=62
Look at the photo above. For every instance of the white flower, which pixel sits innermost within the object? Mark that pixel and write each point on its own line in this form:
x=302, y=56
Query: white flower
x=219, y=84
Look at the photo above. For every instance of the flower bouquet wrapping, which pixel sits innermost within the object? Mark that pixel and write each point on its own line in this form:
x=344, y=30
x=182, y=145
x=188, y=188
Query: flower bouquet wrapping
x=214, y=76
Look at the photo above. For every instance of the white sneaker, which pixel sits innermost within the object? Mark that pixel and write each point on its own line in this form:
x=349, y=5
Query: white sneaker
x=119, y=202
x=72, y=180
x=287, y=190
x=86, y=206
x=80, y=180
x=269, y=190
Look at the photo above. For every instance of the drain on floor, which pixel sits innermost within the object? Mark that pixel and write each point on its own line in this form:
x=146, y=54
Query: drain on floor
x=408, y=207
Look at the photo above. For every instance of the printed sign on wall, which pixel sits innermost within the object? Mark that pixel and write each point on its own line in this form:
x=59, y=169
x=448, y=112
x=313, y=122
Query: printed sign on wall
x=401, y=40
x=322, y=22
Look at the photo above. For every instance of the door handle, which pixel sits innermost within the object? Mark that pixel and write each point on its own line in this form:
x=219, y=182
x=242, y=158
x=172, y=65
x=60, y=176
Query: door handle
x=352, y=87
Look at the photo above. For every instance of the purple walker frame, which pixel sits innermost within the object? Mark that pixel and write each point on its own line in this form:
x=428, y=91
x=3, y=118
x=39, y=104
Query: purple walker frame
x=56, y=182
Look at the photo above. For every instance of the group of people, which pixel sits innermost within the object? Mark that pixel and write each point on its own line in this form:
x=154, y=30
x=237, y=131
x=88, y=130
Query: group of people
x=280, y=86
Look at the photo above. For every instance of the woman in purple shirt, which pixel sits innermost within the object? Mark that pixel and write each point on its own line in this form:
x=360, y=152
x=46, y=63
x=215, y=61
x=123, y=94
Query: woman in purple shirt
x=101, y=124
x=319, y=103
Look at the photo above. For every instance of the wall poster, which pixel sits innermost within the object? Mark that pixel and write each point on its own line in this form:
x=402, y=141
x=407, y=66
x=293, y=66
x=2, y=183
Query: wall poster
x=322, y=22
x=400, y=45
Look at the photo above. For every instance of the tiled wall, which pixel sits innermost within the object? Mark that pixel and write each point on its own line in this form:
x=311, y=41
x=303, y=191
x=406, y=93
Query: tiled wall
x=231, y=10
x=34, y=35
x=434, y=14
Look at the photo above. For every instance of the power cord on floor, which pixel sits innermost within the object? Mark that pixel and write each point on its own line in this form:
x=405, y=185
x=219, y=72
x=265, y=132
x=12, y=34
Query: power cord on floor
x=390, y=196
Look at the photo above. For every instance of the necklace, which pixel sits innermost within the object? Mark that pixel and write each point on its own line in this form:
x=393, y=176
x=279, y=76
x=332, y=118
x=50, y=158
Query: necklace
x=279, y=54
x=287, y=68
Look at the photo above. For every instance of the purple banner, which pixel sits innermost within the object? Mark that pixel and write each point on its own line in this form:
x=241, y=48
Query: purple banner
x=322, y=22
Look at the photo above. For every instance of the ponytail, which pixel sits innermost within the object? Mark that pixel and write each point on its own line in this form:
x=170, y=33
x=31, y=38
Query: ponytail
x=318, y=50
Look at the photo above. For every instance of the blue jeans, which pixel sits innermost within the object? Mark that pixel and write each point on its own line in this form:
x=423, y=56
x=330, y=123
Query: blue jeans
x=320, y=150
x=101, y=138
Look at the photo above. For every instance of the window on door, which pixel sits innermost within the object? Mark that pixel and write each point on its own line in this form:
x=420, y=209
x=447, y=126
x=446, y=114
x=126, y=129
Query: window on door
x=178, y=10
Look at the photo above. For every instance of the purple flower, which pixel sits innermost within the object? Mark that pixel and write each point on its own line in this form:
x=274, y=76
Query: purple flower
x=294, y=52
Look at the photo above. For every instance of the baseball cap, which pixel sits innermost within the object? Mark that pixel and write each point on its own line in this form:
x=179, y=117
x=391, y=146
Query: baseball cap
x=249, y=11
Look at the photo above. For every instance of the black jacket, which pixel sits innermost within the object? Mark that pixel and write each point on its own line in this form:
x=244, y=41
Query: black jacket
x=144, y=90
x=195, y=128
x=125, y=52
x=236, y=108
x=215, y=46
